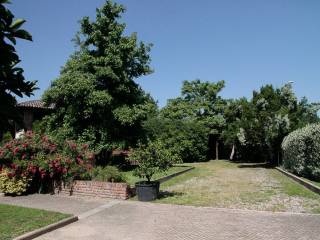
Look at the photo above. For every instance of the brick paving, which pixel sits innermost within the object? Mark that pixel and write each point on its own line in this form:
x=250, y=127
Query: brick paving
x=65, y=204
x=146, y=221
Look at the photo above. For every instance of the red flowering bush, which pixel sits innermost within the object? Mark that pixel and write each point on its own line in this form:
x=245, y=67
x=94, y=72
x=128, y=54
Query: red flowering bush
x=44, y=162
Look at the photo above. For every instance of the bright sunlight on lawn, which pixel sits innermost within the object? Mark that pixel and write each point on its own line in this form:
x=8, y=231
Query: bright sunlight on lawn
x=131, y=179
x=244, y=186
x=15, y=221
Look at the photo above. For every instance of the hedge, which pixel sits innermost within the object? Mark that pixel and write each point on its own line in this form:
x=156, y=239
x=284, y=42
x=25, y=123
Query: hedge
x=301, y=152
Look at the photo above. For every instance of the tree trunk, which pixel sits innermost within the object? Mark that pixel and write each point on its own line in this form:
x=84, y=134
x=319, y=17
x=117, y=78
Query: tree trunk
x=232, y=152
x=217, y=150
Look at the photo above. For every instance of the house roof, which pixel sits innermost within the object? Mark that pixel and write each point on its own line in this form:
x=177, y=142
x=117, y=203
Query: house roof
x=35, y=104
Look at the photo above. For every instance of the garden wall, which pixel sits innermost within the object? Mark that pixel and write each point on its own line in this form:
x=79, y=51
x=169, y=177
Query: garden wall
x=97, y=189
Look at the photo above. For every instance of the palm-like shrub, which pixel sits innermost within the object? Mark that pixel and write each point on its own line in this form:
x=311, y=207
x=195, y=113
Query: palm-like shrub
x=301, y=151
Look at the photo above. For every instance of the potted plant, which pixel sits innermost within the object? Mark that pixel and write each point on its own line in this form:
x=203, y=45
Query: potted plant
x=152, y=158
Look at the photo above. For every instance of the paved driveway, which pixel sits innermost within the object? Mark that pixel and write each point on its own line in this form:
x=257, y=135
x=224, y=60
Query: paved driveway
x=145, y=221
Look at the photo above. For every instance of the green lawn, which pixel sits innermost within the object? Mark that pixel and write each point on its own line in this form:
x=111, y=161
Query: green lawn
x=314, y=182
x=15, y=221
x=244, y=186
x=131, y=179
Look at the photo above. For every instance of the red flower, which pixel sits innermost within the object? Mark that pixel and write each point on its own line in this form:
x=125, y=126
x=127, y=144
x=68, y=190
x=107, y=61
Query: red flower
x=45, y=139
x=16, y=150
x=25, y=145
x=10, y=175
x=13, y=166
x=89, y=167
x=23, y=156
x=91, y=157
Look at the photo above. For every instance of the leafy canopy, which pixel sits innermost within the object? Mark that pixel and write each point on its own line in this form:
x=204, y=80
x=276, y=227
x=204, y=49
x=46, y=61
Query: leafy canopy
x=153, y=158
x=259, y=126
x=96, y=97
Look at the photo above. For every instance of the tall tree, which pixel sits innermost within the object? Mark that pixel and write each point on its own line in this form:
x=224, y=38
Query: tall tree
x=12, y=81
x=200, y=102
x=258, y=127
x=96, y=97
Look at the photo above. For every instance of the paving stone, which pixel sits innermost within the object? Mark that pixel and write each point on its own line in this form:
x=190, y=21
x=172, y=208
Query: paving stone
x=145, y=221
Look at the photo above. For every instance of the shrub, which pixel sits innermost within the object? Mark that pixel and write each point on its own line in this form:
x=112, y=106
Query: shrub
x=186, y=138
x=301, y=152
x=43, y=162
x=13, y=185
x=107, y=174
x=153, y=158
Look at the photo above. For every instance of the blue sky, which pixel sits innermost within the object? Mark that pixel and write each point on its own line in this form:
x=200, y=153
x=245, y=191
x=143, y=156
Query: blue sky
x=247, y=43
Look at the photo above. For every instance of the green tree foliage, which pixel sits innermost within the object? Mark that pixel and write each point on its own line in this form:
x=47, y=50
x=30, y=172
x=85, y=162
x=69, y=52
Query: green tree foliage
x=152, y=158
x=12, y=81
x=185, y=123
x=96, y=97
x=301, y=150
x=259, y=126
x=185, y=138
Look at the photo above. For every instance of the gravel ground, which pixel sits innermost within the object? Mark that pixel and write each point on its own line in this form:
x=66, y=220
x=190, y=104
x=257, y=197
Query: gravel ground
x=236, y=186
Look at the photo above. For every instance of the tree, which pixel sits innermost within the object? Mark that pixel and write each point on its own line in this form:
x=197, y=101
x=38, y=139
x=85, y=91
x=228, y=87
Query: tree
x=186, y=123
x=258, y=127
x=96, y=97
x=12, y=81
x=185, y=138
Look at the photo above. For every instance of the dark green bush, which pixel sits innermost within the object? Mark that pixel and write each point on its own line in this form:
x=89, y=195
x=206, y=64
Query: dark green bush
x=107, y=174
x=185, y=138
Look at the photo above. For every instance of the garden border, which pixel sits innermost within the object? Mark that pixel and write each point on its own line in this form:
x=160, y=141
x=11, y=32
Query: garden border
x=301, y=181
x=47, y=229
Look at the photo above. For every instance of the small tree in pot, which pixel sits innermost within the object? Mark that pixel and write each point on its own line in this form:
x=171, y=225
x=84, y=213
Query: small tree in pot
x=152, y=158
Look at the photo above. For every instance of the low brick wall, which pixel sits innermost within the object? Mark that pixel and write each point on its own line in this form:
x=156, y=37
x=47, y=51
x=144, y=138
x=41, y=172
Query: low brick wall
x=98, y=189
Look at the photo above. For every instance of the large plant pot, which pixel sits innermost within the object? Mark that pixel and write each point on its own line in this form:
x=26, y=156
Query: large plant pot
x=147, y=191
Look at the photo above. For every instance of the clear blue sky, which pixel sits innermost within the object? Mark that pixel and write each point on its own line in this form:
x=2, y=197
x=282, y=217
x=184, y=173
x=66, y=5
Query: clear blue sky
x=248, y=43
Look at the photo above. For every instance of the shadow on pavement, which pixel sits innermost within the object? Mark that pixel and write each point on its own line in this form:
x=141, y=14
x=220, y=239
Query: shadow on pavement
x=166, y=194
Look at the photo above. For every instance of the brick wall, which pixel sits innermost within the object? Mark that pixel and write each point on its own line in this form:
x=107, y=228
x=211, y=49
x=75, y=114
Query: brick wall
x=99, y=189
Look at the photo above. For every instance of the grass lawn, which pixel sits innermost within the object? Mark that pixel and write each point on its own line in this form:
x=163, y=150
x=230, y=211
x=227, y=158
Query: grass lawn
x=133, y=179
x=15, y=221
x=314, y=182
x=244, y=186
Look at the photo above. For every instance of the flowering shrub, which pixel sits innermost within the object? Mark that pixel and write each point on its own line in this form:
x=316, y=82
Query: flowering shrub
x=301, y=152
x=40, y=161
x=13, y=185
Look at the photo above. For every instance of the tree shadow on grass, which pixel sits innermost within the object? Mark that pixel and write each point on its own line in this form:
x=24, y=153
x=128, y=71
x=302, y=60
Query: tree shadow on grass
x=255, y=165
x=166, y=194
